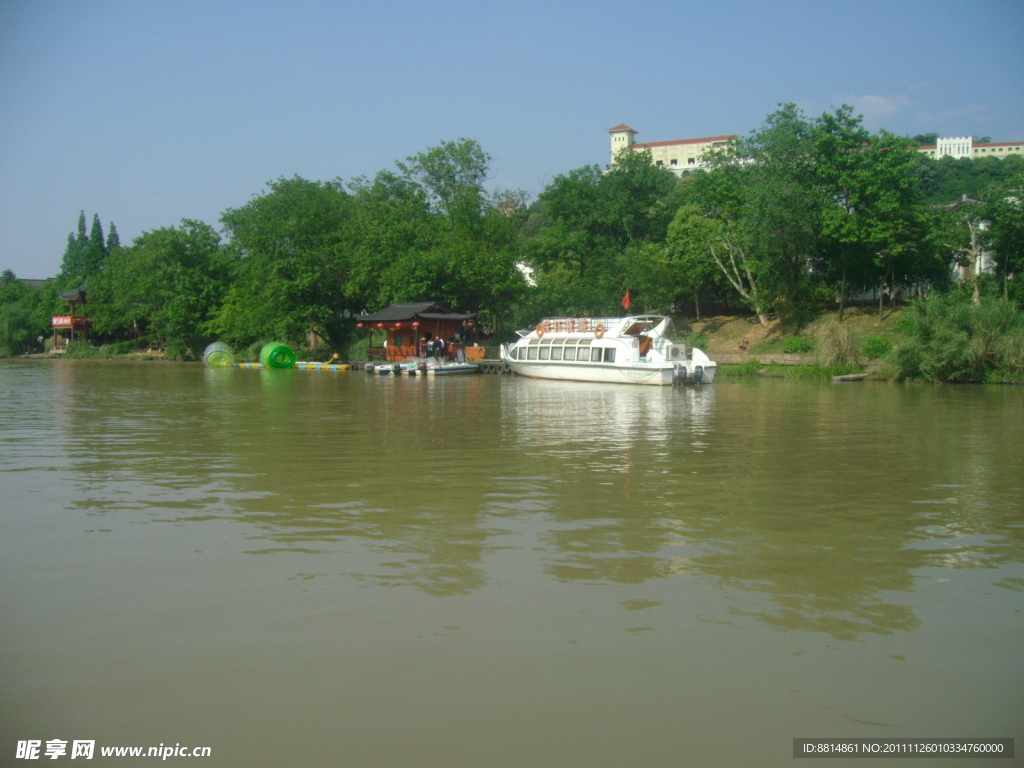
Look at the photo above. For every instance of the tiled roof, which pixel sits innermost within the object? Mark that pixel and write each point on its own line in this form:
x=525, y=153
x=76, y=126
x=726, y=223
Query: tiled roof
x=707, y=140
x=622, y=127
x=429, y=310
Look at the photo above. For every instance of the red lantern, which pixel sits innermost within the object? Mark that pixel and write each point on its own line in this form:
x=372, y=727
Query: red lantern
x=416, y=324
x=380, y=325
x=398, y=326
x=469, y=324
x=360, y=325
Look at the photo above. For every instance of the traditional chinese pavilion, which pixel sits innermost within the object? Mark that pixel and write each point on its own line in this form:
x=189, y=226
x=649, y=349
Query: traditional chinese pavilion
x=407, y=324
x=70, y=327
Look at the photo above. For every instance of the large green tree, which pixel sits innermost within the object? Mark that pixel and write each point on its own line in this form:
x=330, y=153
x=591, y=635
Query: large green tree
x=25, y=313
x=85, y=253
x=763, y=214
x=169, y=282
x=586, y=220
x=290, y=264
x=872, y=219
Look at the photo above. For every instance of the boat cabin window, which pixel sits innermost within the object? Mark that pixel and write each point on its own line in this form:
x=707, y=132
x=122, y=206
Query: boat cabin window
x=546, y=341
x=609, y=354
x=595, y=354
x=545, y=353
x=570, y=353
x=556, y=353
x=531, y=353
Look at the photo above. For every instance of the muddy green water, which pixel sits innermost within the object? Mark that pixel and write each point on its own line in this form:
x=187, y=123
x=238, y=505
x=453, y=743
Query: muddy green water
x=330, y=569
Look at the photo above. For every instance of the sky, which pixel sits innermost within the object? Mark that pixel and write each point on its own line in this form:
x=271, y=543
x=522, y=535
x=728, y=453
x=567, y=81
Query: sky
x=152, y=111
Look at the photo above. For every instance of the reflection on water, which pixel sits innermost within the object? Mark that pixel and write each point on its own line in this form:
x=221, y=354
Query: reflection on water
x=793, y=507
x=824, y=499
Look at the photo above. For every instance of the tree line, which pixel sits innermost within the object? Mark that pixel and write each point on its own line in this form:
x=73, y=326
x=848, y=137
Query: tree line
x=801, y=213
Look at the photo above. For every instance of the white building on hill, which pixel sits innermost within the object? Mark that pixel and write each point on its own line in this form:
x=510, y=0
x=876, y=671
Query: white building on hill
x=678, y=156
x=965, y=146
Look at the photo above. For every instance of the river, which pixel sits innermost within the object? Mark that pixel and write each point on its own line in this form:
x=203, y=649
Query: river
x=318, y=568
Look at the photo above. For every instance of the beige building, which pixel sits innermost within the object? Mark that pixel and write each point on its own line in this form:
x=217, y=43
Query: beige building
x=965, y=146
x=678, y=156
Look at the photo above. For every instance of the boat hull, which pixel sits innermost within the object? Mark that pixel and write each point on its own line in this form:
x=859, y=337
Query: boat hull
x=597, y=372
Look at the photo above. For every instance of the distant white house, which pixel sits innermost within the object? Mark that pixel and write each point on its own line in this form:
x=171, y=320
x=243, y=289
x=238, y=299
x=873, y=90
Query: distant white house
x=965, y=146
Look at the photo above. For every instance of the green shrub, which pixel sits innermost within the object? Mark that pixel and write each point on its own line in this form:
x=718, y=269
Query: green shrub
x=796, y=345
x=948, y=338
x=836, y=345
x=877, y=346
x=697, y=339
x=120, y=347
x=174, y=349
x=748, y=368
x=81, y=350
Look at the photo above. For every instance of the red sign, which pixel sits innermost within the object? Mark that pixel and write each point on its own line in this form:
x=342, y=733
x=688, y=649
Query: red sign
x=67, y=321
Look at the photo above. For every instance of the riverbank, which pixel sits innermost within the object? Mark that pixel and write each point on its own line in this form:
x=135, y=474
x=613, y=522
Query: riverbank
x=733, y=339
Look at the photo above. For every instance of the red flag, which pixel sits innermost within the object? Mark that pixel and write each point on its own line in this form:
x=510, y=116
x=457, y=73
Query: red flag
x=626, y=303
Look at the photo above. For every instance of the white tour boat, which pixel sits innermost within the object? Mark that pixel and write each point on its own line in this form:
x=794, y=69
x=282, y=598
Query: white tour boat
x=632, y=350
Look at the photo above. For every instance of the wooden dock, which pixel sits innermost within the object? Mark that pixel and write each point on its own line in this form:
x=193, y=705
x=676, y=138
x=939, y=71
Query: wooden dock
x=486, y=366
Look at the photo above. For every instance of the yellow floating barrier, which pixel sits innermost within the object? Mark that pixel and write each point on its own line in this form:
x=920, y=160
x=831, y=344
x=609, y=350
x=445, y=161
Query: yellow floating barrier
x=304, y=366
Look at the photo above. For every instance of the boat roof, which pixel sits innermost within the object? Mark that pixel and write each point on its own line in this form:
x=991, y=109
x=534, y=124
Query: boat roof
x=630, y=325
x=427, y=310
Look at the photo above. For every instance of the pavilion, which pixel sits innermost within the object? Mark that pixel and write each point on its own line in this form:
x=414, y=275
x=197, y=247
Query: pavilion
x=407, y=324
x=70, y=323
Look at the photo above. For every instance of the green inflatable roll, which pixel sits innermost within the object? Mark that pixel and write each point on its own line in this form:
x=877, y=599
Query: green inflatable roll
x=219, y=355
x=277, y=356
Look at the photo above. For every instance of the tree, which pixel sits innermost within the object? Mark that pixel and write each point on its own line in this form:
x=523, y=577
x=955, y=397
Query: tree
x=1005, y=213
x=452, y=175
x=73, y=265
x=585, y=221
x=85, y=254
x=700, y=238
x=113, y=241
x=96, y=249
x=168, y=282
x=23, y=315
x=764, y=213
x=465, y=245
x=871, y=183
x=926, y=138
x=290, y=264
x=688, y=272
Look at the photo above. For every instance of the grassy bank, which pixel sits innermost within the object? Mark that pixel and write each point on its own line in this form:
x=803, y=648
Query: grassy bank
x=753, y=367
x=731, y=334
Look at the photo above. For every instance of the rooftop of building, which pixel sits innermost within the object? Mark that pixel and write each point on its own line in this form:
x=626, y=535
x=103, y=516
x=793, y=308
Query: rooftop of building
x=677, y=142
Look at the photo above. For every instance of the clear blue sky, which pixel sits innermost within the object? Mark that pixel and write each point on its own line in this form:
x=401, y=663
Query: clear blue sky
x=150, y=111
